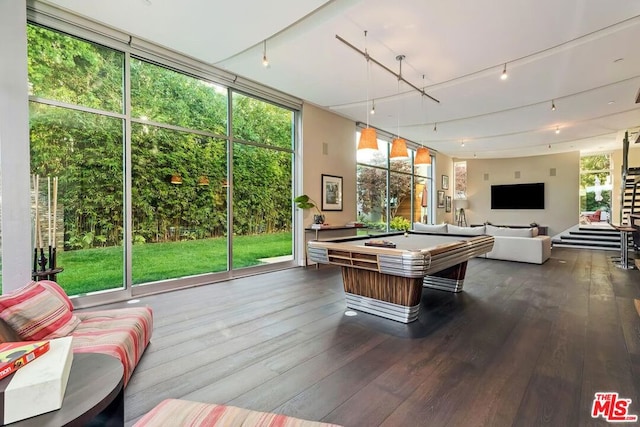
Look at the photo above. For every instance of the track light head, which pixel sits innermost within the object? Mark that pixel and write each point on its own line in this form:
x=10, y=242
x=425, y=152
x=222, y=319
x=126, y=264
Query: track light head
x=557, y=130
x=553, y=105
x=504, y=73
x=265, y=61
x=373, y=107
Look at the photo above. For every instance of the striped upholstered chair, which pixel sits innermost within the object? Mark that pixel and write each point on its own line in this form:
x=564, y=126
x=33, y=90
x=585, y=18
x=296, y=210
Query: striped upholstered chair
x=42, y=310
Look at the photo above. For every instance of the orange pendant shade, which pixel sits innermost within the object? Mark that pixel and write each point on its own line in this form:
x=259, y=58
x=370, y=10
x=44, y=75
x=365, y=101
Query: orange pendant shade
x=399, y=149
x=368, y=139
x=422, y=156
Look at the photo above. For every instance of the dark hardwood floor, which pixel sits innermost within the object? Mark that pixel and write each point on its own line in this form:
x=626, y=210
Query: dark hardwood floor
x=522, y=345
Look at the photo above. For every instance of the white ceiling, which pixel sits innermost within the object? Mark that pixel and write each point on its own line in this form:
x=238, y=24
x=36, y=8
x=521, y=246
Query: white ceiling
x=582, y=54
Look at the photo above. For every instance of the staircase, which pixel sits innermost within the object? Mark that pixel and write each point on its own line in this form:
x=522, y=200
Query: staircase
x=630, y=193
x=596, y=236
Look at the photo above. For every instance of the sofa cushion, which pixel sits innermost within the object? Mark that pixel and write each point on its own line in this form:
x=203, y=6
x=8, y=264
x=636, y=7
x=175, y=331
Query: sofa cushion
x=123, y=333
x=36, y=312
x=57, y=291
x=510, y=232
x=466, y=231
x=176, y=412
x=427, y=228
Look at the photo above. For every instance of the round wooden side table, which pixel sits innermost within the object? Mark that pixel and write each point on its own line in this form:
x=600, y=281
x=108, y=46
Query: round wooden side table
x=94, y=395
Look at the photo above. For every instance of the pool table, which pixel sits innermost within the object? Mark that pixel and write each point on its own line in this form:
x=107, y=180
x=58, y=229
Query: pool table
x=386, y=279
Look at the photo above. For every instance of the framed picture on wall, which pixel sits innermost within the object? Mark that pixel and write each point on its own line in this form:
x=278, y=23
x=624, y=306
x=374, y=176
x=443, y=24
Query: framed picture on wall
x=445, y=182
x=440, y=198
x=448, y=206
x=331, y=193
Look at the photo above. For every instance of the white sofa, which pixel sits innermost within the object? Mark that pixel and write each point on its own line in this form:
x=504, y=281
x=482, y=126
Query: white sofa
x=510, y=244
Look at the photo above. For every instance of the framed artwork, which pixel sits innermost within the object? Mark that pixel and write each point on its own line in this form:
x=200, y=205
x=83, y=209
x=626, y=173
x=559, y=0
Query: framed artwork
x=445, y=182
x=440, y=198
x=448, y=207
x=331, y=193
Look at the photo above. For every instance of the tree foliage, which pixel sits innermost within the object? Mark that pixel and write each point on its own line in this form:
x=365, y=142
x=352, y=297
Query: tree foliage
x=372, y=189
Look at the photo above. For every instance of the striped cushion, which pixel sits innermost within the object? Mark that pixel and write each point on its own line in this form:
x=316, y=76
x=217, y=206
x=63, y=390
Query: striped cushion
x=57, y=291
x=182, y=413
x=37, y=312
x=122, y=333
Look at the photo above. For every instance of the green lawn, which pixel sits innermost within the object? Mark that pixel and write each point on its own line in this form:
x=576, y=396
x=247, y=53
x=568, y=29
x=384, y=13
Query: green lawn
x=90, y=270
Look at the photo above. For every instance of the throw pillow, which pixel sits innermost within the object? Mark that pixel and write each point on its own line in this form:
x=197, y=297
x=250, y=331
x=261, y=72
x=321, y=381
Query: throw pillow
x=57, y=291
x=465, y=231
x=440, y=228
x=509, y=232
x=35, y=312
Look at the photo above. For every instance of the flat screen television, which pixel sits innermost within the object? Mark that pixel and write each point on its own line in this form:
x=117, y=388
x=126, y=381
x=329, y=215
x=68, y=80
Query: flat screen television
x=518, y=196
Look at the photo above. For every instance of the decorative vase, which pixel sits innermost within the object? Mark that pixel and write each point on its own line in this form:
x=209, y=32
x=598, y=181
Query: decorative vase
x=318, y=219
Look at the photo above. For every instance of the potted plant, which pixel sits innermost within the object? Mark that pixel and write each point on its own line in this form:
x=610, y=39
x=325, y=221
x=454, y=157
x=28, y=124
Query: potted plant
x=305, y=202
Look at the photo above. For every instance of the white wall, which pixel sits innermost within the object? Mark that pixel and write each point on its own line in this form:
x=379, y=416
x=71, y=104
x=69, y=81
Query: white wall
x=328, y=148
x=562, y=201
x=14, y=146
x=444, y=166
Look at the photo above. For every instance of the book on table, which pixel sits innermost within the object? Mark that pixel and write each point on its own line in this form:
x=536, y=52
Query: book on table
x=39, y=386
x=14, y=355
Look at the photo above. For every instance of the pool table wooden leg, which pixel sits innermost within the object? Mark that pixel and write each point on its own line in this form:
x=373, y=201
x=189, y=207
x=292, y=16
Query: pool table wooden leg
x=393, y=297
x=450, y=279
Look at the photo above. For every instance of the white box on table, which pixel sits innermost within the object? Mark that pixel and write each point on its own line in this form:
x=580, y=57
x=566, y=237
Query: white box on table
x=39, y=386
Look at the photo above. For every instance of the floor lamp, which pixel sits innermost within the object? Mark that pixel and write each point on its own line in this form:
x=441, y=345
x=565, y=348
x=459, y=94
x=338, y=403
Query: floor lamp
x=461, y=205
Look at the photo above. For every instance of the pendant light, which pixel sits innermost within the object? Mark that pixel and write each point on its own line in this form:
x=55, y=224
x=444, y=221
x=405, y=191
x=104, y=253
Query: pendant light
x=423, y=157
x=399, y=145
x=368, y=137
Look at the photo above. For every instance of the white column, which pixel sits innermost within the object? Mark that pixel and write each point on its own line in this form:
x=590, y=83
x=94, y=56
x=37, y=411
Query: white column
x=14, y=146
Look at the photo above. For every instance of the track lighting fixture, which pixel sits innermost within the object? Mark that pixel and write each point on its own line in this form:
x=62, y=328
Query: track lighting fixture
x=384, y=67
x=435, y=127
x=553, y=105
x=504, y=72
x=373, y=107
x=557, y=129
x=462, y=143
x=265, y=61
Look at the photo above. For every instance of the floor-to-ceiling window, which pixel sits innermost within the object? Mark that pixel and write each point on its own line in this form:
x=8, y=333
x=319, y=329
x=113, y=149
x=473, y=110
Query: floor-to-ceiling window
x=262, y=181
x=178, y=174
x=77, y=140
x=189, y=170
x=392, y=193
